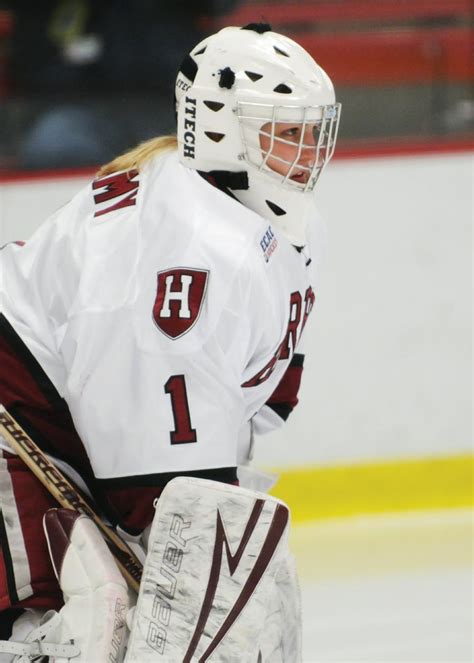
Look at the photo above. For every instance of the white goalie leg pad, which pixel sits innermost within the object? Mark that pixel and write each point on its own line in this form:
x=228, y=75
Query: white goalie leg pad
x=91, y=625
x=281, y=640
x=215, y=555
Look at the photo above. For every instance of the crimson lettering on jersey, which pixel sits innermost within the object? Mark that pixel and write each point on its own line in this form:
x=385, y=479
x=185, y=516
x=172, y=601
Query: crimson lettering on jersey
x=309, y=298
x=293, y=322
x=116, y=185
x=292, y=335
x=266, y=371
x=183, y=432
x=179, y=297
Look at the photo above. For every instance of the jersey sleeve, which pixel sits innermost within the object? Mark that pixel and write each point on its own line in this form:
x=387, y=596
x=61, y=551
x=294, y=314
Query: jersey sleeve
x=39, y=283
x=283, y=400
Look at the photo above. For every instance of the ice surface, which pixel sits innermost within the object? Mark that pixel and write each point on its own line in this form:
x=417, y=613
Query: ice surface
x=387, y=588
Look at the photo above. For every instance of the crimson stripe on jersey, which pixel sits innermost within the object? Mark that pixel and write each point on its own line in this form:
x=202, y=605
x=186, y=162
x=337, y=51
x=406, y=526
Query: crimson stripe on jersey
x=32, y=501
x=30, y=396
x=221, y=474
x=285, y=396
x=25, y=361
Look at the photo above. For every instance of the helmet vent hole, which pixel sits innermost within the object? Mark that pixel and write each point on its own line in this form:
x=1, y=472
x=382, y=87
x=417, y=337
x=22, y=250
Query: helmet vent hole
x=213, y=135
x=201, y=51
x=254, y=76
x=280, y=52
x=188, y=68
x=283, y=89
x=278, y=211
x=214, y=105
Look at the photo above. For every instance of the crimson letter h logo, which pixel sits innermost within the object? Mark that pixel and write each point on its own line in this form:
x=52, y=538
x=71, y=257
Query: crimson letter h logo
x=179, y=298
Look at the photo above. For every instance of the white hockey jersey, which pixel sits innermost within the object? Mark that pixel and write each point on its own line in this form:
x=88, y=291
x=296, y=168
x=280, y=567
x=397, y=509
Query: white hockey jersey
x=164, y=312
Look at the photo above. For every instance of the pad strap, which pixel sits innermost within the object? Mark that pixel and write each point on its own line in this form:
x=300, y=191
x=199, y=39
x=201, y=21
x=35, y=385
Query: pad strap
x=39, y=648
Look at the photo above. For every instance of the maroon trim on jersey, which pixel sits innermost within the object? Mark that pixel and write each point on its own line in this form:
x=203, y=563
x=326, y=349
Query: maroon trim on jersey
x=285, y=397
x=32, y=500
x=30, y=396
x=133, y=496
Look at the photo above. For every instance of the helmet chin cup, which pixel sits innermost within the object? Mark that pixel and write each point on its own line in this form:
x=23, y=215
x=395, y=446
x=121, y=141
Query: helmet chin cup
x=232, y=85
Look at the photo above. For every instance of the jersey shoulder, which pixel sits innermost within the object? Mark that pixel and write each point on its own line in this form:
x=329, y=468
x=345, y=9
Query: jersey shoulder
x=198, y=218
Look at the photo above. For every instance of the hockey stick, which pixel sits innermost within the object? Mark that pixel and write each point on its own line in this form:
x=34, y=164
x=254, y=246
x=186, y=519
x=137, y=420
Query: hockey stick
x=67, y=495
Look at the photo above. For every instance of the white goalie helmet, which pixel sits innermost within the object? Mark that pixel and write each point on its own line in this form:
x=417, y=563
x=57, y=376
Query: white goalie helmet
x=255, y=110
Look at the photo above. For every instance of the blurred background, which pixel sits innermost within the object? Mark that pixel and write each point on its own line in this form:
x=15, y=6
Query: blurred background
x=83, y=80
x=376, y=461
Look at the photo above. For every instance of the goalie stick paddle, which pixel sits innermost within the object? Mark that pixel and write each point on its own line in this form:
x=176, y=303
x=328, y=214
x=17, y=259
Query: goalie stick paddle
x=66, y=494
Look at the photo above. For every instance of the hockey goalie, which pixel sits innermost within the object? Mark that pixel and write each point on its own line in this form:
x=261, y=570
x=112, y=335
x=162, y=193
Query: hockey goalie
x=145, y=329
x=219, y=584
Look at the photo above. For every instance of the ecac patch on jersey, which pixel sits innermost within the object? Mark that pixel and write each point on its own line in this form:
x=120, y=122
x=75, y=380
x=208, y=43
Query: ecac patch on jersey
x=268, y=243
x=179, y=297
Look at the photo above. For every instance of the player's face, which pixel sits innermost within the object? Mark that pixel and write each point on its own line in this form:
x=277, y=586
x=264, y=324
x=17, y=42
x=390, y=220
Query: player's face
x=283, y=157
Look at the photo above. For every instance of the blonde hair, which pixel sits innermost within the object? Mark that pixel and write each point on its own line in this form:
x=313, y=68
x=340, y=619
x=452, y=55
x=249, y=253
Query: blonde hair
x=139, y=155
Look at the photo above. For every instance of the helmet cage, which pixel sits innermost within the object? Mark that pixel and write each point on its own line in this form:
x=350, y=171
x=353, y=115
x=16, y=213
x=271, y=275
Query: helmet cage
x=324, y=121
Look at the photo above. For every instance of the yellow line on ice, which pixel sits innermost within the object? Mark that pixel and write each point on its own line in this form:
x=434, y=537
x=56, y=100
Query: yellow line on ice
x=381, y=487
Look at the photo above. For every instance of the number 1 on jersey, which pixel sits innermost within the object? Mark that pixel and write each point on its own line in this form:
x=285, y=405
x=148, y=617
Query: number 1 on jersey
x=183, y=432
